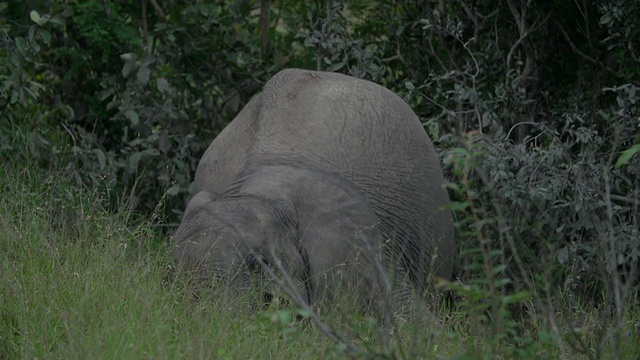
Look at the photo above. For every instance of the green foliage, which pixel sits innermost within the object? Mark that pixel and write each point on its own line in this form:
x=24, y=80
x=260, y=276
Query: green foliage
x=138, y=111
x=627, y=155
x=551, y=217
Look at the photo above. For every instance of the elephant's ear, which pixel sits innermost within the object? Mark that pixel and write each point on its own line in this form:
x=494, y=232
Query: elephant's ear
x=200, y=199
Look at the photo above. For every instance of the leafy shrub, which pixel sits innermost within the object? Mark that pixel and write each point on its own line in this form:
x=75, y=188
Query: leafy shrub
x=138, y=112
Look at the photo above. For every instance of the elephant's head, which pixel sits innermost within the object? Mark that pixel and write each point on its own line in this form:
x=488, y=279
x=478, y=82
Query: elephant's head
x=233, y=239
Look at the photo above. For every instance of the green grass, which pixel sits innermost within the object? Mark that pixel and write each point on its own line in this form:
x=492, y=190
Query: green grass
x=77, y=281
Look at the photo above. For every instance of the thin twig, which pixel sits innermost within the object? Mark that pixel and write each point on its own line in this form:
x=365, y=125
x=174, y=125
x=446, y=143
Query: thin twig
x=288, y=286
x=518, y=124
x=392, y=58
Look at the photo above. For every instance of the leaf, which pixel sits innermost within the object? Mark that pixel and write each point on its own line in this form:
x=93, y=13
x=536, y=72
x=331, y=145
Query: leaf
x=128, y=57
x=104, y=94
x=133, y=117
x=102, y=160
x=129, y=63
x=163, y=85
x=174, y=190
x=134, y=160
x=20, y=44
x=35, y=17
x=143, y=75
x=57, y=19
x=46, y=36
x=285, y=317
x=337, y=66
x=458, y=205
x=563, y=255
x=627, y=155
x=126, y=69
x=304, y=313
x=163, y=142
x=409, y=85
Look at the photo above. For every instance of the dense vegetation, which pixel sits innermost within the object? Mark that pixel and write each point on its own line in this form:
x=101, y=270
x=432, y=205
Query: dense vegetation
x=106, y=106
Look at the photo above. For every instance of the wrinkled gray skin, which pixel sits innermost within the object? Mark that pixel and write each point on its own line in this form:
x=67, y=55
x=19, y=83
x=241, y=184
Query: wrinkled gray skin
x=330, y=175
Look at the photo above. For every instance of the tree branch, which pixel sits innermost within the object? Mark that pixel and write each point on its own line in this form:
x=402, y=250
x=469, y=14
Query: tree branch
x=524, y=30
x=392, y=58
x=107, y=11
x=157, y=9
x=145, y=26
x=263, y=26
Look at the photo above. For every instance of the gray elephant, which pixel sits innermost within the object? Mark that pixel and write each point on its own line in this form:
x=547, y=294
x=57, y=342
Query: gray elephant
x=326, y=181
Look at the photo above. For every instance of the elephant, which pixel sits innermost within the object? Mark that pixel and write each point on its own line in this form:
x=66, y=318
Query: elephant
x=324, y=180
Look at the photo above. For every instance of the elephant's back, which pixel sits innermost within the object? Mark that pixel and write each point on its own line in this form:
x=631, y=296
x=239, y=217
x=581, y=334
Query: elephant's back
x=324, y=120
x=335, y=121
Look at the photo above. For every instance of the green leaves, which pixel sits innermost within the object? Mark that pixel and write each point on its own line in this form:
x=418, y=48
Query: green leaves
x=163, y=85
x=143, y=75
x=36, y=18
x=132, y=115
x=626, y=156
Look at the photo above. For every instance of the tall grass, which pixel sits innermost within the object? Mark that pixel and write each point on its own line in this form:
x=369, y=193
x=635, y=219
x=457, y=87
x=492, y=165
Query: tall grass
x=79, y=282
